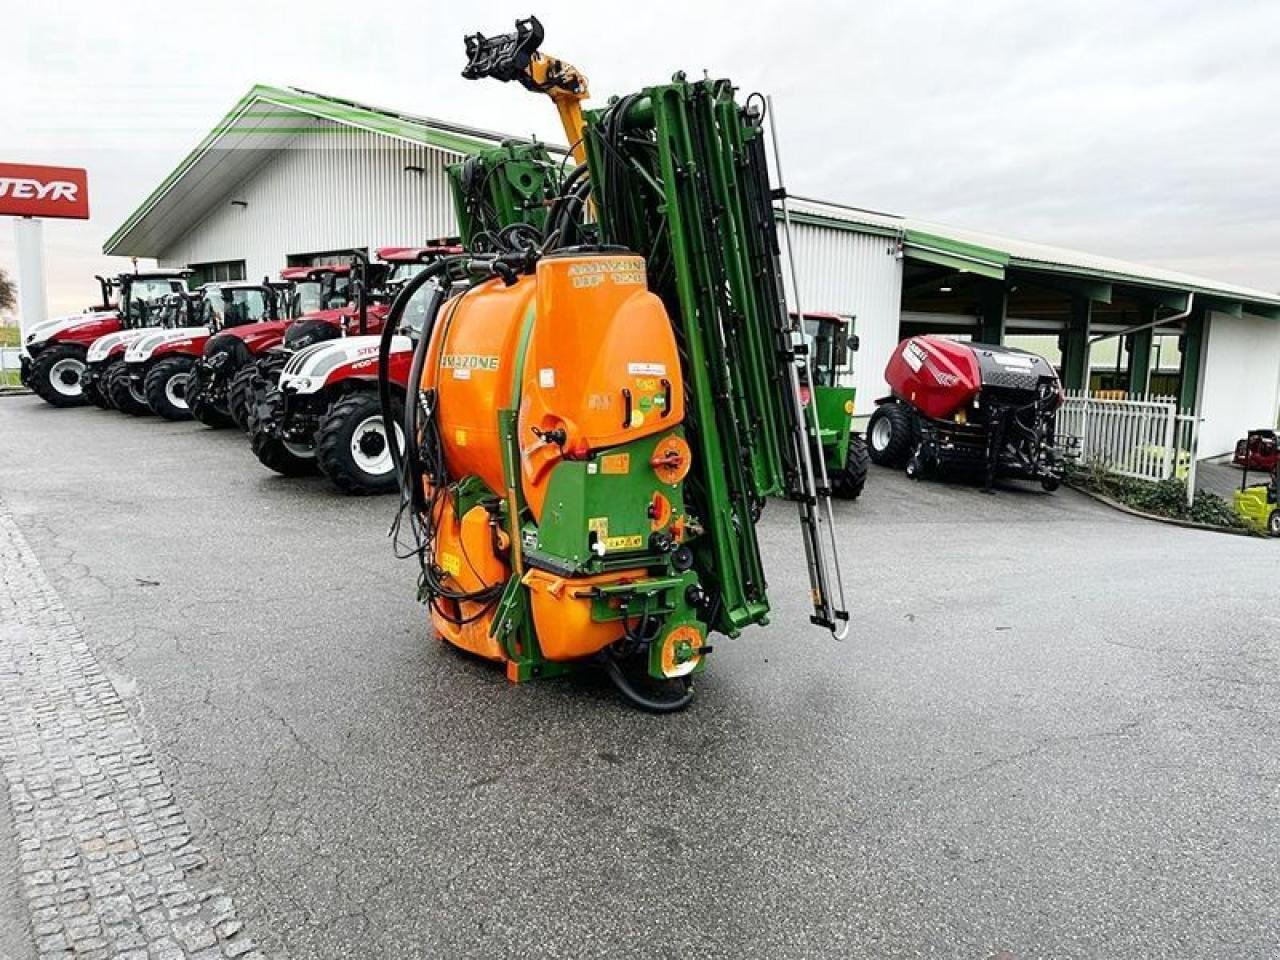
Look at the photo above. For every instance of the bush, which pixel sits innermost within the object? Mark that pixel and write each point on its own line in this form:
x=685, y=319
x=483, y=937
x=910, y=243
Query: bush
x=1167, y=498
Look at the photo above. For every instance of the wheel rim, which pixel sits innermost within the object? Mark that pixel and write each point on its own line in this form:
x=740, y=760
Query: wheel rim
x=175, y=390
x=1275, y=524
x=369, y=447
x=65, y=377
x=300, y=450
x=881, y=433
x=136, y=392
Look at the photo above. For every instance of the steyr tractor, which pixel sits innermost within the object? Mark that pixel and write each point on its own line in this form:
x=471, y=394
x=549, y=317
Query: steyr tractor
x=213, y=394
x=607, y=390
x=56, y=352
x=968, y=408
x=317, y=407
x=158, y=365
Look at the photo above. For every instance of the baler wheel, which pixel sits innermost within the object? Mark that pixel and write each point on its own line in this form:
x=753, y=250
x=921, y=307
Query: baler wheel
x=55, y=375
x=1273, y=523
x=890, y=435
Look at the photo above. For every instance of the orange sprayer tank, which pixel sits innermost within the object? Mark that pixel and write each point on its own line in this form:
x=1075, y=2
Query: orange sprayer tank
x=471, y=363
x=601, y=364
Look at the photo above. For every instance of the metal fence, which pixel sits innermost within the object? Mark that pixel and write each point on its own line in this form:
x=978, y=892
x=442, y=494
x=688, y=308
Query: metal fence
x=9, y=365
x=1149, y=438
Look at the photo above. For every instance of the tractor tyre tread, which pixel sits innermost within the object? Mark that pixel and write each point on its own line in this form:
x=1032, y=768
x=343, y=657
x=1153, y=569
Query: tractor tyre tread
x=154, y=386
x=122, y=398
x=902, y=430
x=333, y=447
x=41, y=367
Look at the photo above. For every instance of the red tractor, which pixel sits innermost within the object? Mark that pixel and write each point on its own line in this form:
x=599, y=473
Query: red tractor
x=962, y=407
x=56, y=352
x=158, y=365
x=213, y=393
x=321, y=411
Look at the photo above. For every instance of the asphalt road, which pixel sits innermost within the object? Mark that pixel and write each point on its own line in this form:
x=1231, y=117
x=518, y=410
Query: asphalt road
x=1053, y=733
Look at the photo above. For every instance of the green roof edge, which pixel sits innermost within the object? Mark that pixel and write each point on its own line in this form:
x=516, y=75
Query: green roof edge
x=315, y=104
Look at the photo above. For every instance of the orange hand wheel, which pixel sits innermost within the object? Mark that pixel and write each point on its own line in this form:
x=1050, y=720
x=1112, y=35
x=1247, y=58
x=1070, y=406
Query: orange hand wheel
x=671, y=459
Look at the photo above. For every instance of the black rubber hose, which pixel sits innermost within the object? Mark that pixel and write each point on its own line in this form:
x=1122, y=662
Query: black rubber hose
x=639, y=699
x=398, y=305
x=411, y=388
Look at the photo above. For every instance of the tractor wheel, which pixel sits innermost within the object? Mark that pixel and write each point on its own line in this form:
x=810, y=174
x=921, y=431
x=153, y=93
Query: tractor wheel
x=166, y=387
x=240, y=394
x=847, y=482
x=1273, y=523
x=201, y=407
x=92, y=388
x=104, y=379
x=352, y=449
x=286, y=459
x=55, y=375
x=890, y=435
x=125, y=395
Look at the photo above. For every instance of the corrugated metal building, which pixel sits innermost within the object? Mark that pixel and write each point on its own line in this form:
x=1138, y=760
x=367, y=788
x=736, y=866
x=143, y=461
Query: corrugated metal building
x=294, y=177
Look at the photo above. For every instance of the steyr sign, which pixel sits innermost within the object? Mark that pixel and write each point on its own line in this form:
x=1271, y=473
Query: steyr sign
x=27, y=190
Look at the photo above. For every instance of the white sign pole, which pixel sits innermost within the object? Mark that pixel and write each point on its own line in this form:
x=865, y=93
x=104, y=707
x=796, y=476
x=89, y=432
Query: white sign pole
x=33, y=306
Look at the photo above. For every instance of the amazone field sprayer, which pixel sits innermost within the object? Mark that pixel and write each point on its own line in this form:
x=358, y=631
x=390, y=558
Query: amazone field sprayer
x=609, y=390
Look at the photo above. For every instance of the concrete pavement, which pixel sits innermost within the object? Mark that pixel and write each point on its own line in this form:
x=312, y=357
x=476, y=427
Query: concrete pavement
x=1052, y=734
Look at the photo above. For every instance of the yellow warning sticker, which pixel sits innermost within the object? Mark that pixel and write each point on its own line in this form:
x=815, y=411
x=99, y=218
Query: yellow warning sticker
x=450, y=563
x=599, y=526
x=460, y=437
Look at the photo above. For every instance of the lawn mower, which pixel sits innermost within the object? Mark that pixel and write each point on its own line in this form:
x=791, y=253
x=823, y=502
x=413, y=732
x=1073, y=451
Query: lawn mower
x=319, y=408
x=968, y=408
x=607, y=390
x=213, y=394
x=1256, y=504
x=1259, y=450
x=158, y=365
x=55, y=353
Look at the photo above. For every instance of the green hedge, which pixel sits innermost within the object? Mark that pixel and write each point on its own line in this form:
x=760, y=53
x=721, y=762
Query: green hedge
x=1167, y=498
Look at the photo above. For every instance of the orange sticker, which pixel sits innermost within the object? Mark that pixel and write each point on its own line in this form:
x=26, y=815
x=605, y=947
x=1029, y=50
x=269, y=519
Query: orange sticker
x=615, y=463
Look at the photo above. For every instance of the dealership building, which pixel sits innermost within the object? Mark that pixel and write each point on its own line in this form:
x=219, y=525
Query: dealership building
x=290, y=177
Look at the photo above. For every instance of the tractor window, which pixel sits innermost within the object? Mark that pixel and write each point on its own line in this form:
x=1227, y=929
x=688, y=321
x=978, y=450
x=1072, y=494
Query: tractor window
x=231, y=308
x=830, y=348
x=415, y=311
x=306, y=297
x=401, y=272
x=337, y=293
x=143, y=293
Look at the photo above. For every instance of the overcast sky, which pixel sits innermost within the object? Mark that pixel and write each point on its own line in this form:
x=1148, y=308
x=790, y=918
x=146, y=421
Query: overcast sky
x=1143, y=130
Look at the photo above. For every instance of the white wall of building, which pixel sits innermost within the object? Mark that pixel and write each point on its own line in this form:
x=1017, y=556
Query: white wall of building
x=858, y=275
x=333, y=188
x=1241, y=380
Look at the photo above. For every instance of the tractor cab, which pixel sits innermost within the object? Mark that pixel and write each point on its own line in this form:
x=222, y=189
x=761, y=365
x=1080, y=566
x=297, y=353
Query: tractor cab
x=225, y=305
x=141, y=294
x=316, y=288
x=178, y=310
x=831, y=347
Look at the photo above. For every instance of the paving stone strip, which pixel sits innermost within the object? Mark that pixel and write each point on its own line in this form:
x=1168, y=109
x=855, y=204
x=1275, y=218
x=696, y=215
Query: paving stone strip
x=108, y=863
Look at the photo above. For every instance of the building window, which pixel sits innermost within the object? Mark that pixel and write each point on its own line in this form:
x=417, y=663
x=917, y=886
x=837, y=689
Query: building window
x=224, y=271
x=323, y=258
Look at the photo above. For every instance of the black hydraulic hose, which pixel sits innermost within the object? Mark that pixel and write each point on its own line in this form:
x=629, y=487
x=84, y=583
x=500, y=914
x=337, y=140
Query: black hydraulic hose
x=413, y=476
x=411, y=287
x=639, y=699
